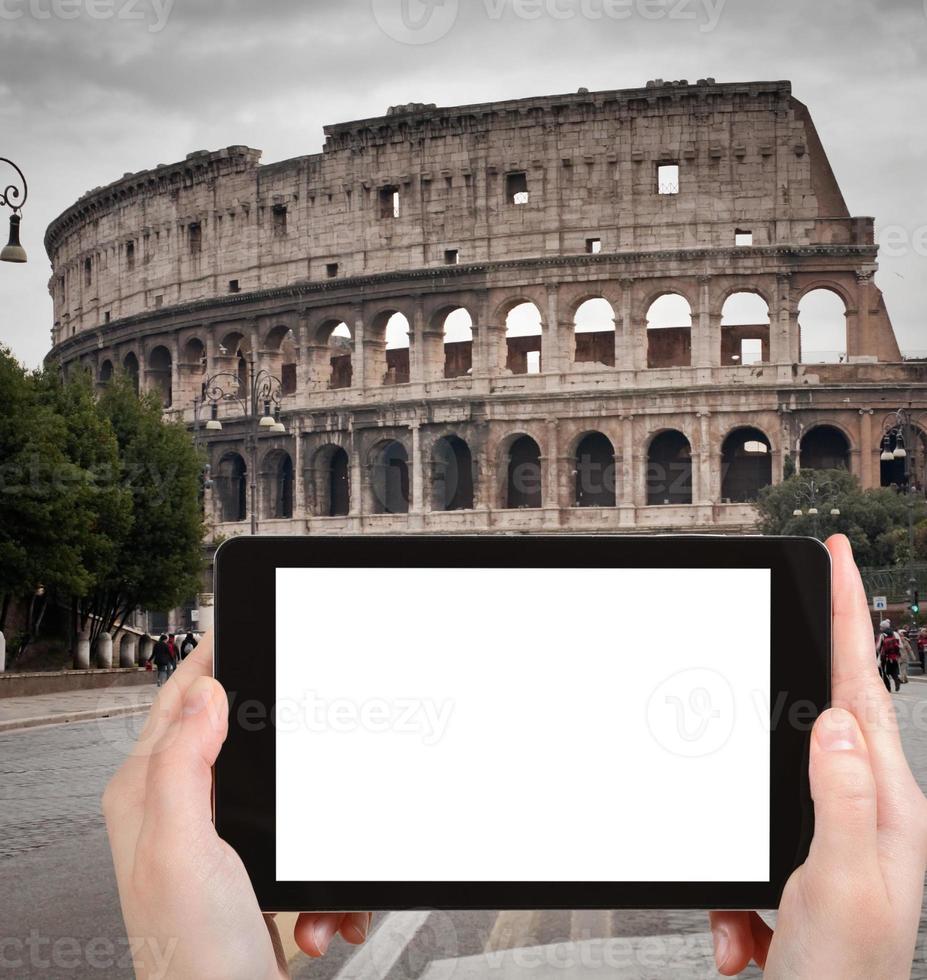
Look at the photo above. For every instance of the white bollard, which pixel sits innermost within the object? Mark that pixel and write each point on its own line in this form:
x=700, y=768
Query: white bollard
x=2, y=653
x=82, y=652
x=128, y=650
x=207, y=612
x=105, y=651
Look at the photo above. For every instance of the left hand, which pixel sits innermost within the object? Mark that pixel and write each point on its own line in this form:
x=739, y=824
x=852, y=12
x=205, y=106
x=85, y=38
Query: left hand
x=181, y=886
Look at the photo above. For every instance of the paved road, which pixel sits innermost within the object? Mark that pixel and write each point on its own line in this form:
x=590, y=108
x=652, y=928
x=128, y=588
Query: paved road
x=60, y=914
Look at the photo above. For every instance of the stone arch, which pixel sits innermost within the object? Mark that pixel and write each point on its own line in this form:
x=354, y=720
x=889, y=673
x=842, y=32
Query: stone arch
x=160, y=374
x=594, y=331
x=280, y=351
x=277, y=485
x=746, y=464
x=452, y=474
x=131, y=369
x=393, y=330
x=390, y=481
x=105, y=374
x=669, y=469
x=194, y=356
x=231, y=487
x=825, y=446
x=523, y=477
x=339, y=338
x=745, y=327
x=524, y=338
x=594, y=468
x=822, y=324
x=234, y=352
x=455, y=324
x=329, y=483
x=669, y=330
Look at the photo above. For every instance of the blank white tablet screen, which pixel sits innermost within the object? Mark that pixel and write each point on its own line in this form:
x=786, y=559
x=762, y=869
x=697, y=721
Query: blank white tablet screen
x=557, y=724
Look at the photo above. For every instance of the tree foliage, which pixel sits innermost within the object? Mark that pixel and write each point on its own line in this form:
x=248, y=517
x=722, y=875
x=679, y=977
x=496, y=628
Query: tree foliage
x=99, y=499
x=875, y=521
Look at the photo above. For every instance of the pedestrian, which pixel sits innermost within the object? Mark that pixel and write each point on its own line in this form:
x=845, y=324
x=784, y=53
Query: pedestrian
x=889, y=652
x=161, y=657
x=172, y=649
x=907, y=654
x=922, y=648
x=187, y=646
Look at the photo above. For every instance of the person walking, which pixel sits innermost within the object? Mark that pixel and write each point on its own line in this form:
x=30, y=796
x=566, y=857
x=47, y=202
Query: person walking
x=889, y=652
x=161, y=658
x=172, y=649
x=187, y=646
x=922, y=648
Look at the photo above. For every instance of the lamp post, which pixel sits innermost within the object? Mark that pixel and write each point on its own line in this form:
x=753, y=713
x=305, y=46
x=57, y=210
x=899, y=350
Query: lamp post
x=14, y=198
x=257, y=401
x=898, y=443
x=809, y=494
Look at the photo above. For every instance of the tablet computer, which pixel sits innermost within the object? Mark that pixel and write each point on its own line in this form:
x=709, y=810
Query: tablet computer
x=519, y=721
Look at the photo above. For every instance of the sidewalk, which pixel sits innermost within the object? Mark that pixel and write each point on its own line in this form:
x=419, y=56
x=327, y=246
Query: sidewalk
x=56, y=709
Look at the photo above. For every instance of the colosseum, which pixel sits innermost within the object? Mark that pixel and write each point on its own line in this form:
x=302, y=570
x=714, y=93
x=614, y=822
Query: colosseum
x=622, y=311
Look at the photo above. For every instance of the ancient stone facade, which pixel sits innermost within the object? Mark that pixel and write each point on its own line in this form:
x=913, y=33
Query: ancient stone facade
x=342, y=273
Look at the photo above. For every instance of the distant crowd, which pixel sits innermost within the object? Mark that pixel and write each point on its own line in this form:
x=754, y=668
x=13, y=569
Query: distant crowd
x=896, y=649
x=169, y=650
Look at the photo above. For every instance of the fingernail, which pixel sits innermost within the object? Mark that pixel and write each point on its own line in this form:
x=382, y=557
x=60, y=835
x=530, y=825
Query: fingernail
x=722, y=941
x=322, y=934
x=837, y=731
x=361, y=928
x=196, y=698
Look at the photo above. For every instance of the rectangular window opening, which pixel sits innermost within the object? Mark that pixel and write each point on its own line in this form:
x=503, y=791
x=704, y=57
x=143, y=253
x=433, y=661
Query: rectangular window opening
x=107, y=316
x=195, y=232
x=331, y=270
x=389, y=202
x=593, y=246
x=743, y=238
x=130, y=255
x=534, y=362
x=516, y=188
x=279, y=219
x=88, y=272
x=159, y=301
x=668, y=178
x=234, y=287
x=751, y=351
x=451, y=256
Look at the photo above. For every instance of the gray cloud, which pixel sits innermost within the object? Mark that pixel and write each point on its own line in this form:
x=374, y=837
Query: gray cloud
x=82, y=101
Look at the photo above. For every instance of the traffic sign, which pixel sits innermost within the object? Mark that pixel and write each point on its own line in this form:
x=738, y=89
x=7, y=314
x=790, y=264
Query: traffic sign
x=879, y=603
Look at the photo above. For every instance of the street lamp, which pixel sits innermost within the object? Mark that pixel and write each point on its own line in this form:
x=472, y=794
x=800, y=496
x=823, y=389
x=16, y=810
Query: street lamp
x=14, y=198
x=260, y=406
x=808, y=493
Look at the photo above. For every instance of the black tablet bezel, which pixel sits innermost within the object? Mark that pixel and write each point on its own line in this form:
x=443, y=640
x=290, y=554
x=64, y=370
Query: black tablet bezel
x=245, y=790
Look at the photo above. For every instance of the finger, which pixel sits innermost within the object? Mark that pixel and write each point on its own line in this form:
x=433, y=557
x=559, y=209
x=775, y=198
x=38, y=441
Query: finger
x=315, y=930
x=844, y=792
x=355, y=926
x=857, y=687
x=762, y=937
x=178, y=787
x=733, y=941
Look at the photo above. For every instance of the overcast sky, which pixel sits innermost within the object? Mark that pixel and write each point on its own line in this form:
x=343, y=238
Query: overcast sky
x=128, y=84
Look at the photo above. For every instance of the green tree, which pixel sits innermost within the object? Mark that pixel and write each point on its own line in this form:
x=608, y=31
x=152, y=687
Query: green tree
x=875, y=521
x=160, y=560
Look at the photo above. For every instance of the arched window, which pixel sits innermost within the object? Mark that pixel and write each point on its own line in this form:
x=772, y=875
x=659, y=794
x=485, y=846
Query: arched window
x=277, y=479
x=669, y=469
x=341, y=344
x=328, y=483
x=523, y=477
x=458, y=343
x=452, y=475
x=822, y=328
x=594, y=332
x=669, y=332
x=130, y=367
x=231, y=486
x=389, y=479
x=281, y=354
x=523, y=338
x=825, y=448
x=595, y=472
x=160, y=374
x=106, y=373
x=396, y=331
x=194, y=356
x=744, y=330
x=746, y=465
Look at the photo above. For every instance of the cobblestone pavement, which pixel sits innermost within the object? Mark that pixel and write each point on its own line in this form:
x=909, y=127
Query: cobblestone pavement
x=74, y=706
x=57, y=884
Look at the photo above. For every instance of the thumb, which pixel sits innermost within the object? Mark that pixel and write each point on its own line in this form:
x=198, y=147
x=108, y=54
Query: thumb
x=844, y=792
x=178, y=790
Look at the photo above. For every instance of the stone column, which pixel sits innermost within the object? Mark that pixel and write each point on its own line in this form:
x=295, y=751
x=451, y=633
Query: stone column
x=128, y=650
x=417, y=347
x=639, y=342
x=105, y=651
x=207, y=611
x=495, y=350
x=870, y=470
x=701, y=328
x=417, y=504
x=858, y=328
x=702, y=490
x=82, y=652
x=356, y=486
x=359, y=353
x=555, y=348
x=145, y=648
x=550, y=497
x=783, y=329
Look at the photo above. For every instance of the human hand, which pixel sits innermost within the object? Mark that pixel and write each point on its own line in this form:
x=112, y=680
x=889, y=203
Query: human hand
x=852, y=909
x=179, y=882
